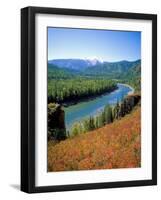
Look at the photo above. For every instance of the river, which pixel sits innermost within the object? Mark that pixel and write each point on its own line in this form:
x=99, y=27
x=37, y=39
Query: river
x=82, y=110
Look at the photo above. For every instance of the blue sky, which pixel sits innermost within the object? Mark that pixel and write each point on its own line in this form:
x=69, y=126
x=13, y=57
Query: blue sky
x=105, y=45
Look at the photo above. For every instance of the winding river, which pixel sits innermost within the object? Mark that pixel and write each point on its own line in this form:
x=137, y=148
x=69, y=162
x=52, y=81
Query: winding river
x=79, y=111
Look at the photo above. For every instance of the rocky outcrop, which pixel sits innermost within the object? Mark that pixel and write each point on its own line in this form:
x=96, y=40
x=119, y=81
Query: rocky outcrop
x=126, y=106
x=56, y=122
x=133, y=99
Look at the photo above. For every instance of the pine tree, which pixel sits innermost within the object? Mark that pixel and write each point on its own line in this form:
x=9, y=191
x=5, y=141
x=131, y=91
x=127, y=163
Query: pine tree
x=75, y=130
x=116, y=111
x=91, y=123
x=109, y=115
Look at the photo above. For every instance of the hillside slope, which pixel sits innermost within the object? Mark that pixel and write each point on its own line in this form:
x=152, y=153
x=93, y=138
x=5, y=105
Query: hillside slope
x=114, y=70
x=116, y=145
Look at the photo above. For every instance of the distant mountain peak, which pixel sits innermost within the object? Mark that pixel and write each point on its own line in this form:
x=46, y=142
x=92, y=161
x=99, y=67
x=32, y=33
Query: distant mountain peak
x=94, y=59
x=77, y=64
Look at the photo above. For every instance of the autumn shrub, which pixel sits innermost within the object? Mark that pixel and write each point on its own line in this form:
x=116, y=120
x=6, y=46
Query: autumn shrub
x=115, y=145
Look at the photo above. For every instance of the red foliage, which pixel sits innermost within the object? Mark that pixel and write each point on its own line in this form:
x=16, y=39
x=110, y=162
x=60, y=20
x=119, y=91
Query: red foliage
x=116, y=145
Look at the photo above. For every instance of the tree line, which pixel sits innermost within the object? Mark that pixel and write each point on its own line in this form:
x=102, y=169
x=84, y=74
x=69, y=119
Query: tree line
x=108, y=115
x=75, y=89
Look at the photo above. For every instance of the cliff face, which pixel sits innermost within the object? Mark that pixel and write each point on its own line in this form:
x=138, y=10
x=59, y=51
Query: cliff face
x=126, y=105
x=56, y=122
x=56, y=116
x=133, y=99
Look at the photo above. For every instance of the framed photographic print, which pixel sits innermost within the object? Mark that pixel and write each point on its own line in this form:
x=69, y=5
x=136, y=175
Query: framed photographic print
x=88, y=99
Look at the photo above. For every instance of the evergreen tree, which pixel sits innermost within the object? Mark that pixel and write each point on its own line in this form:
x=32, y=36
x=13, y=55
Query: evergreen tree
x=116, y=110
x=91, y=123
x=96, y=122
x=109, y=115
x=75, y=129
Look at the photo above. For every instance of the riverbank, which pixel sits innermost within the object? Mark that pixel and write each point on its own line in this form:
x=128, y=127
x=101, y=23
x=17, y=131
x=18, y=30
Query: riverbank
x=130, y=92
x=88, y=98
x=83, y=110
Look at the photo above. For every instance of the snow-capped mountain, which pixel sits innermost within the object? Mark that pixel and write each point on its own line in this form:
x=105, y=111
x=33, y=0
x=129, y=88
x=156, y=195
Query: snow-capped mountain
x=76, y=64
x=93, y=62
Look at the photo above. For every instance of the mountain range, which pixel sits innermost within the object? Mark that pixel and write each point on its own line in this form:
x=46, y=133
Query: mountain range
x=95, y=67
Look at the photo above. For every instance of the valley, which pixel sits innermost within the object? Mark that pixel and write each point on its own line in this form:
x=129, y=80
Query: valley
x=93, y=109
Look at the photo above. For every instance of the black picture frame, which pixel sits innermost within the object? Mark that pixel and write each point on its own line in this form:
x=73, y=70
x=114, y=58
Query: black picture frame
x=28, y=98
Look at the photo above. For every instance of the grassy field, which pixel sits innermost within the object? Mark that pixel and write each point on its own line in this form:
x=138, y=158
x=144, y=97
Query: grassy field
x=116, y=145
